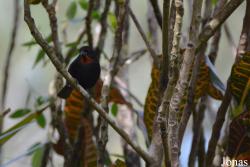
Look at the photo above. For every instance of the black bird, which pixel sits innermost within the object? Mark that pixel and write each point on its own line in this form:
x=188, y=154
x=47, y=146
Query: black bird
x=85, y=69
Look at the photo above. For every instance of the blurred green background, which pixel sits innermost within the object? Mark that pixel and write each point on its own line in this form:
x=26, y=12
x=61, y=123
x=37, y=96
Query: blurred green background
x=23, y=78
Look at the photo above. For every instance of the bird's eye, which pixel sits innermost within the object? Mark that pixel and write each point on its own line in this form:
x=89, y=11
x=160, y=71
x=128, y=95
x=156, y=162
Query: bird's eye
x=83, y=53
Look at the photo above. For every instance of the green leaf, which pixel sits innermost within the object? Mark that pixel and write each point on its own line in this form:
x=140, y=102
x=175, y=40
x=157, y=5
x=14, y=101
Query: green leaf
x=236, y=111
x=71, y=11
x=41, y=121
x=49, y=38
x=41, y=100
x=33, y=147
x=40, y=56
x=96, y=15
x=118, y=156
x=119, y=163
x=107, y=159
x=32, y=42
x=29, y=43
x=214, y=2
x=20, y=113
x=72, y=44
x=112, y=21
x=8, y=134
x=114, y=109
x=37, y=157
x=84, y=4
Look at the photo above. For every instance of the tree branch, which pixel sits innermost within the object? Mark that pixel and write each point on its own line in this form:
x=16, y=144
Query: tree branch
x=245, y=33
x=8, y=61
x=216, y=22
x=162, y=115
x=10, y=53
x=157, y=12
x=152, y=27
x=192, y=86
x=216, y=38
x=103, y=22
x=182, y=84
x=60, y=68
x=220, y=118
x=88, y=22
x=108, y=80
x=139, y=28
x=197, y=131
x=50, y=8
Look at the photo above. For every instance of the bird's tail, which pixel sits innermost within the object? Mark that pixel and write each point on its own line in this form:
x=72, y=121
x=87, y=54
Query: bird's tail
x=65, y=92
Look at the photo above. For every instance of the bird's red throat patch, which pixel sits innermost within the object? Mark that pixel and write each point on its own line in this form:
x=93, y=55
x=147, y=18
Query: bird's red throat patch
x=86, y=60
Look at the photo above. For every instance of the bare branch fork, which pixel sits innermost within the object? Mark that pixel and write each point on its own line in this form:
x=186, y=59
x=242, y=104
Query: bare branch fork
x=108, y=80
x=61, y=69
x=221, y=113
x=208, y=32
x=191, y=89
x=216, y=22
x=189, y=55
x=55, y=107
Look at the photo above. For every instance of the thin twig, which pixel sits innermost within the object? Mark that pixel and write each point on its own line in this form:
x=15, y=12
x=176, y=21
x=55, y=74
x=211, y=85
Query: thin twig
x=157, y=12
x=190, y=105
x=46, y=154
x=245, y=33
x=134, y=56
x=108, y=80
x=72, y=50
x=4, y=112
x=125, y=117
x=165, y=51
x=182, y=84
x=8, y=61
x=216, y=38
x=156, y=149
x=162, y=115
x=192, y=86
x=129, y=93
x=152, y=27
x=171, y=25
x=56, y=107
x=175, y=55
x=208, y=31
x=197, y=129
x=216, y=22
x=220, y=118
x=51, y=10
x=139, y=28
x=50, y=52
x=60, y=68
x=201, y=150
x=10, y=53
x=88, y=22
x=103, y=22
